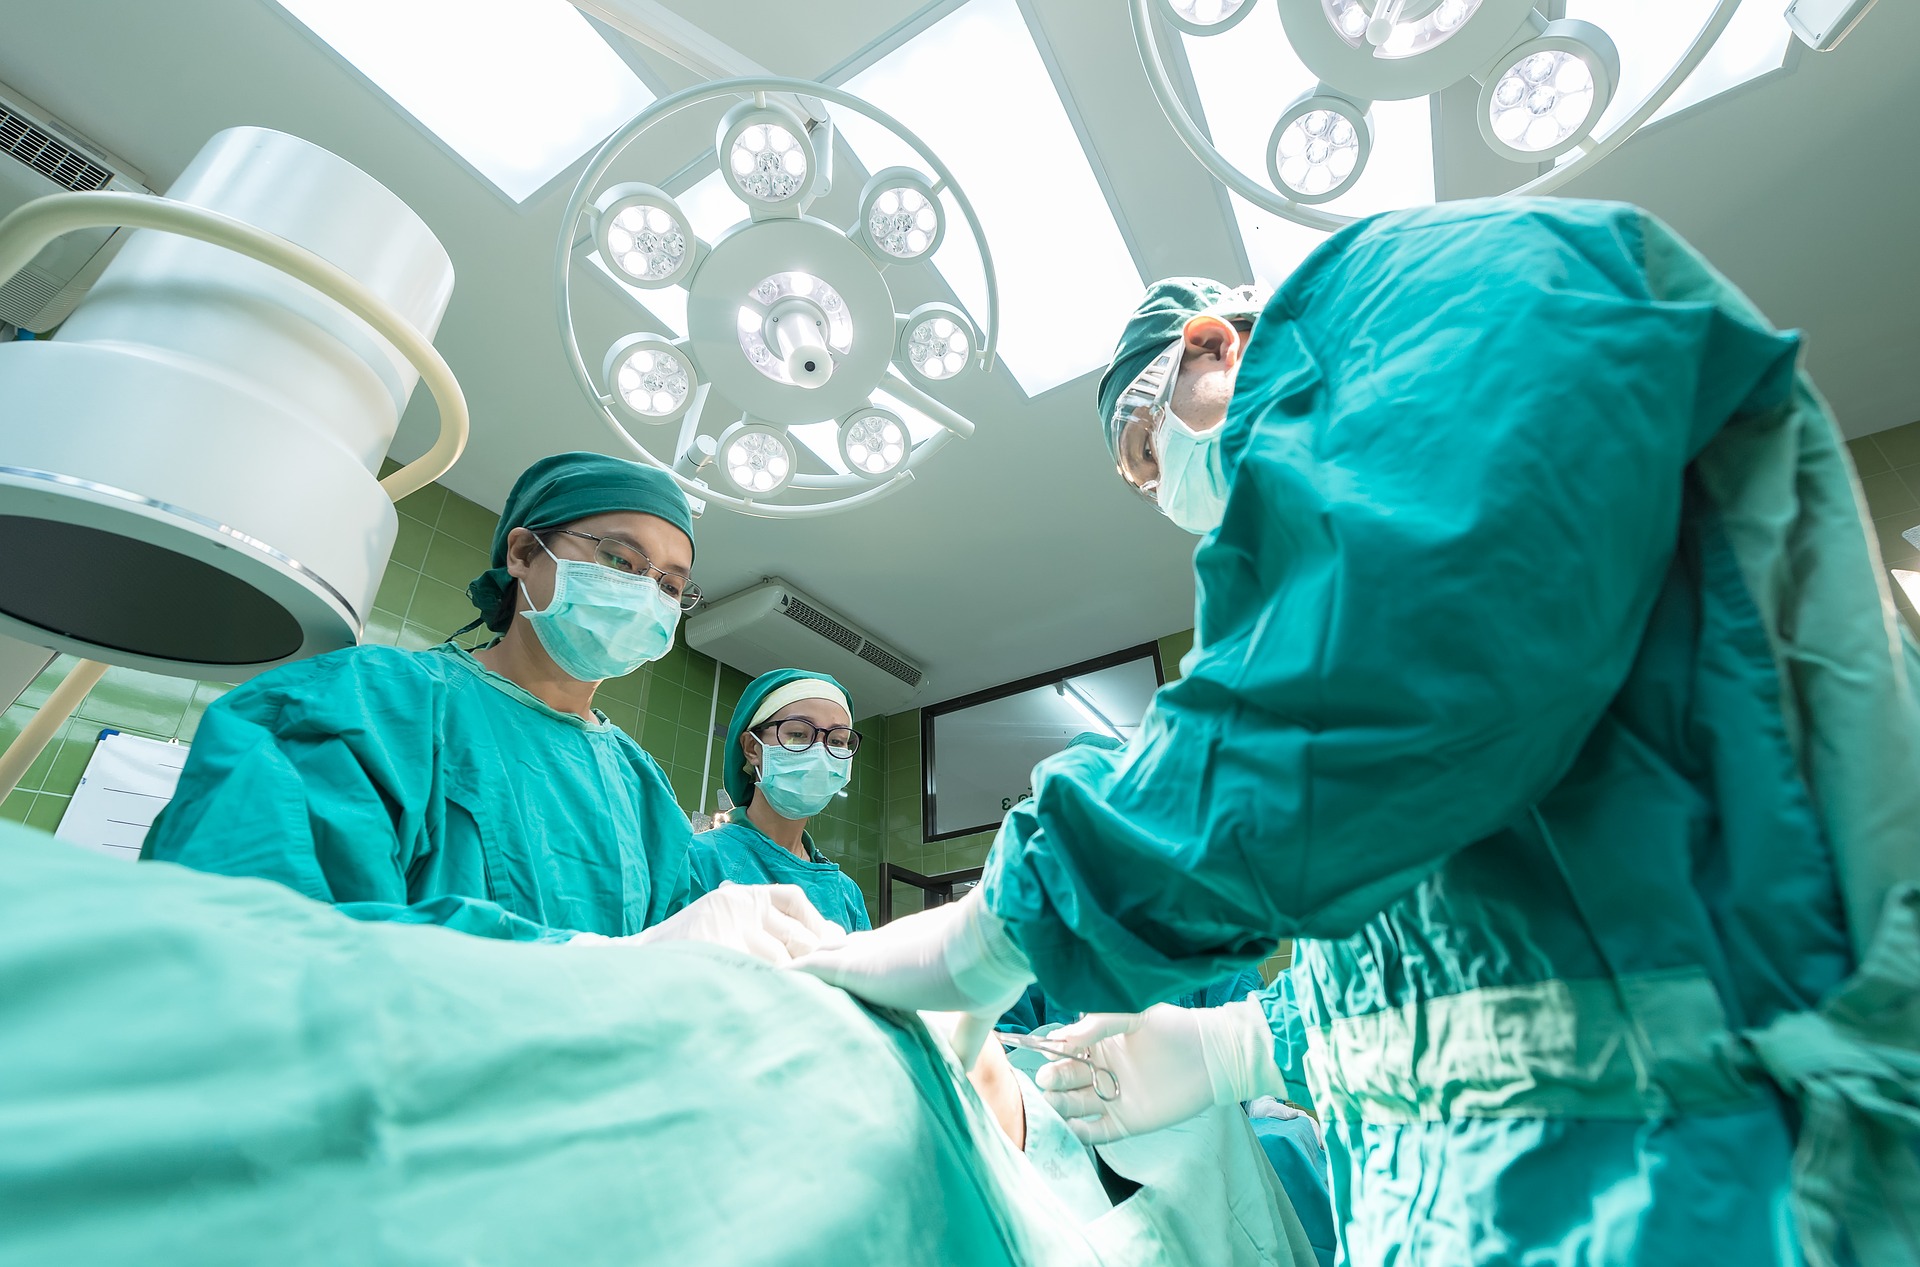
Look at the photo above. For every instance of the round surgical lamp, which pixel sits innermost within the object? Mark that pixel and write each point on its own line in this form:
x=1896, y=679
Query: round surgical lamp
x=189, y=469
x=1205, y=17
x=652, y=379
x=1391, y=50
x=791, y=320
x=1320, y=147
x=1364, y=51
x=900, y=216
x=644, y=236
x=936, y=342
x=874, y=442
x=757, y=459
x=1545, y=95
x=766, y=158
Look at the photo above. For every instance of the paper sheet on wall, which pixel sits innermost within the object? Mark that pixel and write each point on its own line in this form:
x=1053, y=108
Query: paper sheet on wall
x=128, y=781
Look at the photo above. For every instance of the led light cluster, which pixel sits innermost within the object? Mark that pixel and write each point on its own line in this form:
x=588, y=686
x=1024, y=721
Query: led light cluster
x=1543, y=86
x=938, y=342
x=793, y=340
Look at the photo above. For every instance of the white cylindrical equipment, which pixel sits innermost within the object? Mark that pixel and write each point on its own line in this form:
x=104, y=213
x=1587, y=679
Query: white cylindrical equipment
x=797, y=332
x=188, y=471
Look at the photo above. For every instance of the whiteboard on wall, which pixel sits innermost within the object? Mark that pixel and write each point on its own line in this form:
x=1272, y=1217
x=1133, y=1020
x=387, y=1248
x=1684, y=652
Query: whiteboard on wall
x=128, y=781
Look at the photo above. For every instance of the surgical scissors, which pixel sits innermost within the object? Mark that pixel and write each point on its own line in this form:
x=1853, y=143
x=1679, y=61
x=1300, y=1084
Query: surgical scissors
x=1107, y=1090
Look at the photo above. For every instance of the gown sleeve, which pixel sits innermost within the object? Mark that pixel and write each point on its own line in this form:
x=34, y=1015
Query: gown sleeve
x=1457, y=452
x=322, y=775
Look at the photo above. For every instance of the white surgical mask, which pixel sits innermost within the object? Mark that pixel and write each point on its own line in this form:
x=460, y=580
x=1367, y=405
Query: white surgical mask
x=1193, y=489
x=603, y=624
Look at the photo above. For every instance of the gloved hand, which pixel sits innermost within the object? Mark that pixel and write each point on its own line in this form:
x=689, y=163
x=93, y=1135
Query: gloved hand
x=1280, y=1111
x=774, y=922
x=953, y=958
x=1171, y=1063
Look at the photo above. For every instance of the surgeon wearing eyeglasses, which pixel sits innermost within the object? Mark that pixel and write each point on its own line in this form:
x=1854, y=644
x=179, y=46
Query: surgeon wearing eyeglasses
x=481, y=790
x=789, y=753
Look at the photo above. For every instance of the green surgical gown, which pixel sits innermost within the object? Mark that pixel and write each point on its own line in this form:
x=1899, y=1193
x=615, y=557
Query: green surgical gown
x=742, y=853
x=419, y=786
x=1547, y=690
x=202, y=1071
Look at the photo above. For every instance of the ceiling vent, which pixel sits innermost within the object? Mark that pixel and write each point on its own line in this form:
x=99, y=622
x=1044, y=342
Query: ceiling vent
x=774, y=626
x=38, y=157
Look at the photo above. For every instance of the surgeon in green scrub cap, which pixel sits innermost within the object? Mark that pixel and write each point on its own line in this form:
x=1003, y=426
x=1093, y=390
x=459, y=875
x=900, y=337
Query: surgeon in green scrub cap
x=481, y=790
x=789, y=753
x=1546, y=690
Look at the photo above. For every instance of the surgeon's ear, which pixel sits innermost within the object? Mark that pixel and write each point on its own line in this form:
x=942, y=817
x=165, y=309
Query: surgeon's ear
x=750, y=752
x=1211, y=337
x=523, y=547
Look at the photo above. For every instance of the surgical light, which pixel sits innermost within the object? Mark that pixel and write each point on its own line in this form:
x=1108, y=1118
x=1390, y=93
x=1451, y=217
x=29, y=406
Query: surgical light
x=652, y=379
x=643, y=234
x=1205, y=17
x=792, y=337
x=1541, y=90
x=1549, y=92
x=874, y=442
x=937, y=342
x=189, y=469
x=1320, y=147
x=758, y=459
x=766, y=157
x=900, y=215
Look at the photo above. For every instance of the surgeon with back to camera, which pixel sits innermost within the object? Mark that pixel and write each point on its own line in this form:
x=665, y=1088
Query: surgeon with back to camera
x=1546, y=688
x=481, y=790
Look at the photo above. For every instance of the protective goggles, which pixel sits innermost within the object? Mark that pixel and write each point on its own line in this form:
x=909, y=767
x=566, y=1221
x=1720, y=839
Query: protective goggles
x=1133, y=429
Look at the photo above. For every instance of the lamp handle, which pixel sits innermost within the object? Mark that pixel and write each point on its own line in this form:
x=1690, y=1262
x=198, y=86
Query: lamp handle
x=30, y=228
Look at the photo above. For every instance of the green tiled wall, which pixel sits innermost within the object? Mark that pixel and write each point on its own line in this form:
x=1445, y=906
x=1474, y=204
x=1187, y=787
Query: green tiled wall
x=444, y=542
x=1889, y=467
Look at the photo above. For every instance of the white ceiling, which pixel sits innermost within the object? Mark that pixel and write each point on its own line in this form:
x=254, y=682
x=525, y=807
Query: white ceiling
x=1018, y=551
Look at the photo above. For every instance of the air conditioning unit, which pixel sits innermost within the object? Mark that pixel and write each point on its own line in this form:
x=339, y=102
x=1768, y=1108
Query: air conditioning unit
x=39, y=157
x=775, y=626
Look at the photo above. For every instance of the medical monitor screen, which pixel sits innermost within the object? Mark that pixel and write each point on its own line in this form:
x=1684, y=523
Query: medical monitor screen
x=979, y=751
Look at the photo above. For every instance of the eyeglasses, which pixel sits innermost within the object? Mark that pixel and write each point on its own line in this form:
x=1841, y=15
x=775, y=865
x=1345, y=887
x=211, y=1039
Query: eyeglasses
x=797, y=734
x=632, y=560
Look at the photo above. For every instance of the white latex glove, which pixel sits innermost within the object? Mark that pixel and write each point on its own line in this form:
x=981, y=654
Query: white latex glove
x=1171, y=1063
x=1281, y=1111
x=774, y=922
x=953, y=958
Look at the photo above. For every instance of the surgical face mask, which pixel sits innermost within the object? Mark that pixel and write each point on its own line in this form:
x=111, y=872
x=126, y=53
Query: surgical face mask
x=1193, y=489
x=801, y=784
x=601, y=623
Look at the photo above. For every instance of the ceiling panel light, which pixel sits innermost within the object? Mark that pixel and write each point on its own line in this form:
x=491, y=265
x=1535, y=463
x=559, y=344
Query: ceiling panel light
x=1015, y=151
x=445, y=63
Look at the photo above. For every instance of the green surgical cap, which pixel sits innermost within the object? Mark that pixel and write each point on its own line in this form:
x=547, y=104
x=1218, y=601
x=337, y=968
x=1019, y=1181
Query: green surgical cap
x=1094, y=739
x=562, y=489
x=733, y=758
x=1158, y=321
